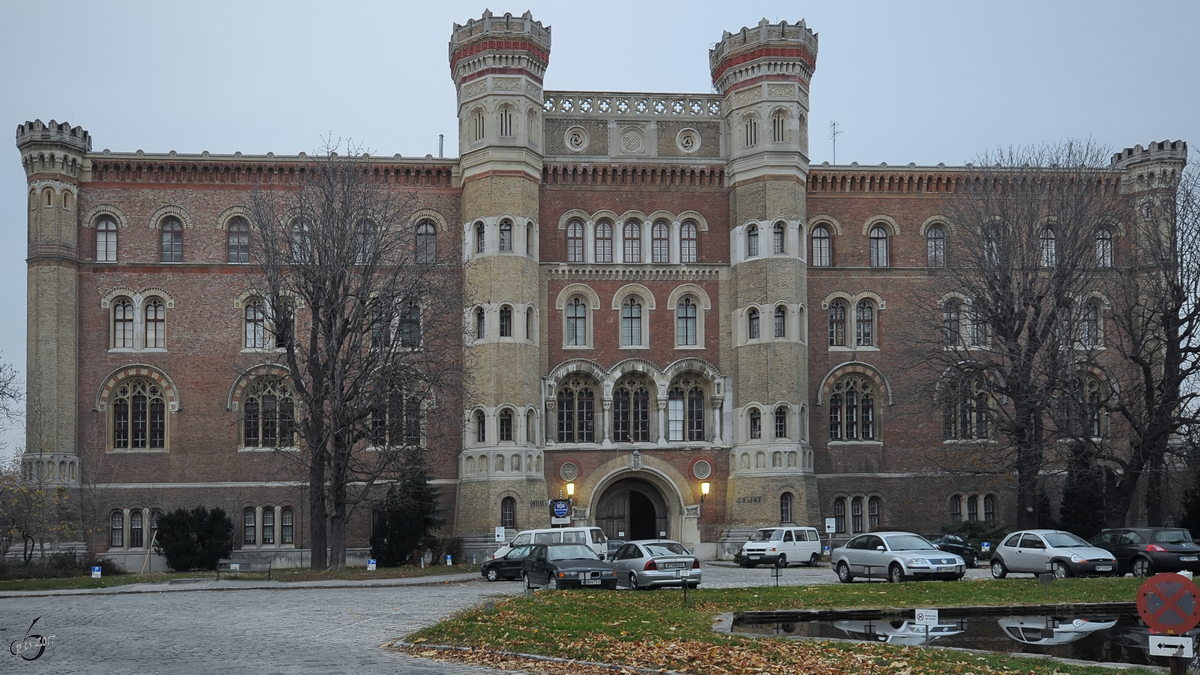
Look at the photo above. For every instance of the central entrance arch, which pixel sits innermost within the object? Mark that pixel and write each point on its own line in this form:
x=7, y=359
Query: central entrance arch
x=633, y=508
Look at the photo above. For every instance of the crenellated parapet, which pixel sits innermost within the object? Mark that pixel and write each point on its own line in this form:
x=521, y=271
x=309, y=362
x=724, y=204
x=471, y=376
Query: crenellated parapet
x=1162, y=150
x=1158, y=166
x=779, y=52
x=52, y=148
x=499, y=45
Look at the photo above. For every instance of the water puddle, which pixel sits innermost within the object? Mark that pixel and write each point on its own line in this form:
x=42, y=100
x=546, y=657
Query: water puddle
x=1103, y=635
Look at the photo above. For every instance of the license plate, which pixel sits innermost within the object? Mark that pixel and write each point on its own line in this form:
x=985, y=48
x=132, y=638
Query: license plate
x=673, y=566
x=755, y=557
x=945, y=569
x=1188, y=558
x=1103, y=568
x=591, y=582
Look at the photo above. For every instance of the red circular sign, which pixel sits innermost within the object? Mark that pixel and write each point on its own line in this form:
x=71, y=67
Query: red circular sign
x=1169, y=603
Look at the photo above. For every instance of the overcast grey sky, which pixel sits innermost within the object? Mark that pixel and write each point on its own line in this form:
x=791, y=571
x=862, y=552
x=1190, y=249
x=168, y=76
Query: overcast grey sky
x=922, y=82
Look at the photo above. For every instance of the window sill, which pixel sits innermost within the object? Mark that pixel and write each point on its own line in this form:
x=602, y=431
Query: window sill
x=971, y=441
x=689, y=346
x=263, y=350
x=849, y=443
x=122, y=350
x=257, y=448
x=138, y=451
x=576, y=347
x=633, y=347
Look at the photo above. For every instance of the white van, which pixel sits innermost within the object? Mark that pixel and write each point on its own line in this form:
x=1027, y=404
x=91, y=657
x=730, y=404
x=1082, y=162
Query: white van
x=780, y=546
x=592, y=536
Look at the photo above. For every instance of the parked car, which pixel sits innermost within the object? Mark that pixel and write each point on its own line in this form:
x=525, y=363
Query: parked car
x=955, y=544
x=895, y=556
x=1062, y=553
x=507, y=566
x=896, y=632
x=593, y=537
x=780, y=546
x=612, y=545
x=555, y=566
x=652, y=563
x=1149, y=550
x=1047, y=630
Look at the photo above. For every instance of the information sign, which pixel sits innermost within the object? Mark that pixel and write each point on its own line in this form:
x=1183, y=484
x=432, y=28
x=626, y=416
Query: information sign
x=830, y=525
x=370, y=564
x=96, y=572
x=560, y=507
x=1179, y=646
x=1169, y=603
x=500, y=536
x=926, y=617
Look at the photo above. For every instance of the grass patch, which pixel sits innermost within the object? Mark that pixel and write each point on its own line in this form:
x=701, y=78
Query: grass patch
x=84, y=580
x=655, y=629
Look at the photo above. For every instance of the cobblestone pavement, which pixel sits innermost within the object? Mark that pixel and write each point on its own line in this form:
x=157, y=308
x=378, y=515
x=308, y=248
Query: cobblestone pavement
x=166, y=629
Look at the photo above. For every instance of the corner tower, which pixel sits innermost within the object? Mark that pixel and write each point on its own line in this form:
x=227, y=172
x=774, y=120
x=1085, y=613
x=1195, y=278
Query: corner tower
x=498, y=64
x=764, y=74
x=53, y=157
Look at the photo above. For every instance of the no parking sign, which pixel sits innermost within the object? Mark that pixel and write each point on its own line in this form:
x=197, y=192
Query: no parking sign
x=1169, y=603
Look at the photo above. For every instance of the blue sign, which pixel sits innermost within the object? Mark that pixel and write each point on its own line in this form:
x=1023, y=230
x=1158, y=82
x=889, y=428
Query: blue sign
x=561, y=507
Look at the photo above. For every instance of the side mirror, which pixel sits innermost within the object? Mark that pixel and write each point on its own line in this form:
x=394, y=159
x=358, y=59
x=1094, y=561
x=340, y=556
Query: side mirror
x=880, y=548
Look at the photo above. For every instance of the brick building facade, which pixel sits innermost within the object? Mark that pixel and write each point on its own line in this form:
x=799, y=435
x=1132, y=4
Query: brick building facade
x=668, y=309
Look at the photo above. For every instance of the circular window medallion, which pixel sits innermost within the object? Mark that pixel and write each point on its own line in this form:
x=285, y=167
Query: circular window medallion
x=568, y=471
x=577, y=139
x=631, y=141
x=702, y=469
x=688, y=140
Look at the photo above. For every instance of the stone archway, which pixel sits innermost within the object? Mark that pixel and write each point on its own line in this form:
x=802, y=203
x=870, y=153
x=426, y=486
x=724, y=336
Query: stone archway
x=633, y=508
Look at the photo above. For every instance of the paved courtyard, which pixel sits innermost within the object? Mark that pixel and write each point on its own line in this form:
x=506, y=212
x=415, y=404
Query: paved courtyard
x=269, y=631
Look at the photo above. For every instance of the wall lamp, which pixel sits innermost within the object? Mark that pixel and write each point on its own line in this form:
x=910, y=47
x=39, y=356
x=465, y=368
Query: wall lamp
x=570, y=489
x=704, y=491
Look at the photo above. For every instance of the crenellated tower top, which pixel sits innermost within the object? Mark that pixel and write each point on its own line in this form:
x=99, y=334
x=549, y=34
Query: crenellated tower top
x=499, y=45
x=1162, y=150
x=1154, y=168
x=52, y=148
x=777, y=52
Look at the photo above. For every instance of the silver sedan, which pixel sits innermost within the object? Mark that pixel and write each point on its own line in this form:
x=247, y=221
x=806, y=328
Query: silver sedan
x=652, y=563
x=895, y=556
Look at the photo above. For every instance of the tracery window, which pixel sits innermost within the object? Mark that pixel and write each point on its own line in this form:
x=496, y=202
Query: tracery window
x=397, y=422
x=575, y=241
x=172, y=240
x=935, y=242
x=139, y=415
x=633, y=242
x=631, y=411
x=837, y=323
x=822, y=255
x=864, y=323
x=576, y=405
x=106, y=240
x=238, y=241
x=852, y=410
x=752, y=241
x=268, y=414
x=576, y=323
x=426, y=242
x=661, y=242
x=685, y=411
x=685, y=323
x=631, y=323
x=687, y=242
x=604, y=237
x=966, y=411
x=879, y=247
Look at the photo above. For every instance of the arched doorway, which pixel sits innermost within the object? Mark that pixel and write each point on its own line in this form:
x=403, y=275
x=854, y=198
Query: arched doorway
x=633, y=508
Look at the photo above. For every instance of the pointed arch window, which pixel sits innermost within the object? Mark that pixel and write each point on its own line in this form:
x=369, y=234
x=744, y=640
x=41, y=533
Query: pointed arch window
x=966, y=409
x=935, y=243
x=139, y=416
x=1104, y=248
x=575, y=241
x=752, y=241
x=426, y=242
x=633, y=242
x=106, y=240
x=879, y=247
x=268, y=414
x=661, y=242
x=631, y=412
x=687, y=242
x=852, y=410
x=837, y=324
x=576, y=405
x=822, y=254
x=604, y=242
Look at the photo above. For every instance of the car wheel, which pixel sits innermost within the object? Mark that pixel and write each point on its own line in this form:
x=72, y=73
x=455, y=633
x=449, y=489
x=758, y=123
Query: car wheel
x=1060, y=569
x=1142, y=567
x=814, y=560
x=492, y=574
x=781, y=561
x=999, y=571
x=896, y=574
x=633, y=582
x=552, y=584
x=843, y=572
x=525, y=580
x=970, y=561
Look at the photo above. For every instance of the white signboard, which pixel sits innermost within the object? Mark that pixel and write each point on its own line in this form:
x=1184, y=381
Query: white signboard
x=96, y=572
x=370, y=564
x=555, y=520
x=1171, y=645
x=234, y=567
x=500, y=535
x=926, y=617
x=830, y=525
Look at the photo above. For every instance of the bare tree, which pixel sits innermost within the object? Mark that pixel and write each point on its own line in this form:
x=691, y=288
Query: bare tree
x=365, y=317
x=1009, y=355
x=34, y=508
x=1156, y=329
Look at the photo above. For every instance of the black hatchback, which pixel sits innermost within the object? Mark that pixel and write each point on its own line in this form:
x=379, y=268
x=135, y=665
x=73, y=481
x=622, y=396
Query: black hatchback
x=555, y=566
x=958, y=546
x=1150, y=550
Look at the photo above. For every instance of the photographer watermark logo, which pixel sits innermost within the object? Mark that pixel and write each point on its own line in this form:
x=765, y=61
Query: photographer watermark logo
x=32, y=646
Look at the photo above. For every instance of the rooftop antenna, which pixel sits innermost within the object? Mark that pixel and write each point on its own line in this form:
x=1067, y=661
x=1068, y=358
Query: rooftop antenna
x=833, y=134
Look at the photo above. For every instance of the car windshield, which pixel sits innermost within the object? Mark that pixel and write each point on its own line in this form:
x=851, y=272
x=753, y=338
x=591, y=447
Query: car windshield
x=666, y=548
x=572, y=552
x=767, y=535
x=1063, y=540
x=1173, y=537
x=908, y=542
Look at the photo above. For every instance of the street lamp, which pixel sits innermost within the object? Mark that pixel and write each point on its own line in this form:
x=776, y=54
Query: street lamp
x=703, y=491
